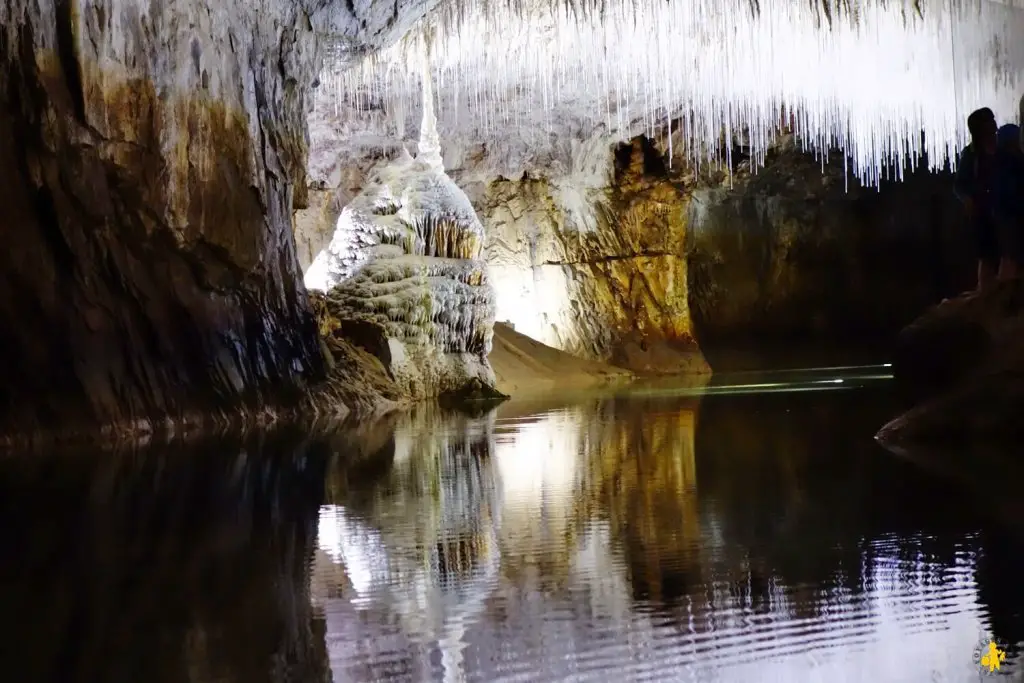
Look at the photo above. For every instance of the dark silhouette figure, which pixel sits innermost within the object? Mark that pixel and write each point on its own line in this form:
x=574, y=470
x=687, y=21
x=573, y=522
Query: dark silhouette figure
x=974, y=185
x=1010, y=191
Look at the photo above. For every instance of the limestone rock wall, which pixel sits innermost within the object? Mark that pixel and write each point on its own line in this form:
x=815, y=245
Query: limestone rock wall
x=793, y=252
x=613, y=291
x=150, y=154
x=613, y=254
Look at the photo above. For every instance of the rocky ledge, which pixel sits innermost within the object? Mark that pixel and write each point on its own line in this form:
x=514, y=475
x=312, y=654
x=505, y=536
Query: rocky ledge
x=966, y=358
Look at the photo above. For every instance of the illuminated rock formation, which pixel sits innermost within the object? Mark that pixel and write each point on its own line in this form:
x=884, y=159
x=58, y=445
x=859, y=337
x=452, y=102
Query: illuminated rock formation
x=530, y=139
x=405, y=260
x=602, y=276
x=407, y=210
x=627, y=255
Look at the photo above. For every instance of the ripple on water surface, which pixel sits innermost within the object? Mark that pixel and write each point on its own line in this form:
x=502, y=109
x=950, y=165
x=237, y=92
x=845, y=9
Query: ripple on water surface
x=658, y=535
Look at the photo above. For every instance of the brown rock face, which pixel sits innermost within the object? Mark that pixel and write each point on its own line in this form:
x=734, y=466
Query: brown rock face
x=149, y=157
x=793, y=252
x=617, y=293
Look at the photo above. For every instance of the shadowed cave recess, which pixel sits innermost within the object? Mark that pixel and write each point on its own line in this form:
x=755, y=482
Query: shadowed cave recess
x=289, y=209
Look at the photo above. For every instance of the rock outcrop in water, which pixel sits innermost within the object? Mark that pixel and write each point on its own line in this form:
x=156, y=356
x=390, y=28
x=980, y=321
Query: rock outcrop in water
x=965, y=355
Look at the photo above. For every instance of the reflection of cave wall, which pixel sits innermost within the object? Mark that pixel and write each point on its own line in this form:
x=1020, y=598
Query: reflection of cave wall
x=642, y=472
x=430, y=491
x=623, y=522
x=759, y=457
x=999, y=587
x=786, y=252
x=179, y=565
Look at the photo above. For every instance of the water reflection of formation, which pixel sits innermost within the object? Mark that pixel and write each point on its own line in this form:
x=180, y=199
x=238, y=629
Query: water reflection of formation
x=577, y=543
x=421, y=543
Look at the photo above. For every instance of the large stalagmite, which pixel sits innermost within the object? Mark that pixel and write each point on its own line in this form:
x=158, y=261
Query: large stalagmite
x=404, y=268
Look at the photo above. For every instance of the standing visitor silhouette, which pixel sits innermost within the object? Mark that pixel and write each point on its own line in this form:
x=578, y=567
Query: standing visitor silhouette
x=976, y=187
x=1020, y=120
x=1009, y=198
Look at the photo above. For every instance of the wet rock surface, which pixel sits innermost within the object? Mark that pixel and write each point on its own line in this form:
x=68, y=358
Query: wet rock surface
x=966, y=356
x=358, y=377
x=153, y=154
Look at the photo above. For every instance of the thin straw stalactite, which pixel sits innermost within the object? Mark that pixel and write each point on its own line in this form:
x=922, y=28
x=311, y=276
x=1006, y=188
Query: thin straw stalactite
x=865, y=77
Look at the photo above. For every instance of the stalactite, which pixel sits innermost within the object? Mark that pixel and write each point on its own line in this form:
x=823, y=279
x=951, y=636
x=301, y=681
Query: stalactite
x=864, y=76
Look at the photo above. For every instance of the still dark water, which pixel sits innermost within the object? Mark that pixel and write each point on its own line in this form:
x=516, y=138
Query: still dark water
x=753, y=533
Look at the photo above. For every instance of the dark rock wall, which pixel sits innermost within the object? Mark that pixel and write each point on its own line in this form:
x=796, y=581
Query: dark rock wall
x=789, y=253
x=150, y=155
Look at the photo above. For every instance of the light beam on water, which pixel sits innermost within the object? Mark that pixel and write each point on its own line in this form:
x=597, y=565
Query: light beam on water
x=847, y=378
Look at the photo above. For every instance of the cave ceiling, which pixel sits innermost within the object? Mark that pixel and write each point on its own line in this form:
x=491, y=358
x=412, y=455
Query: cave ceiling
x=864, y=76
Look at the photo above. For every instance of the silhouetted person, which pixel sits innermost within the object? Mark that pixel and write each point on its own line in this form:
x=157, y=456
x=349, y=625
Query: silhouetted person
x=1009, y=195
x=1020, y=121
x=974, y=186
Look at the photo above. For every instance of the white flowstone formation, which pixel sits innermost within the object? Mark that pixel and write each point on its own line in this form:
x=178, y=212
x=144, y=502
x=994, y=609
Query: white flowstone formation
x=867, y=76
x=406, y=256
